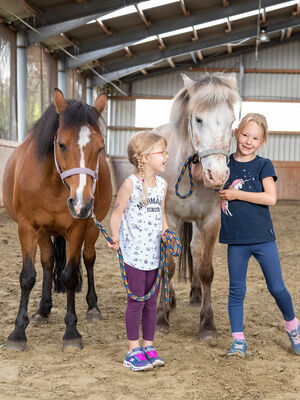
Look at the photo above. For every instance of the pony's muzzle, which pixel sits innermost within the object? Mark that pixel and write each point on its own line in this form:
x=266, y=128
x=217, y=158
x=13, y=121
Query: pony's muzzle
x=215, y=180
x=79, y=209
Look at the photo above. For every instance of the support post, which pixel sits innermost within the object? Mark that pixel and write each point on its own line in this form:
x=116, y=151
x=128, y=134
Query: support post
x=62, y=75
x=89, y=90
x=21, y=84
x=241, y=76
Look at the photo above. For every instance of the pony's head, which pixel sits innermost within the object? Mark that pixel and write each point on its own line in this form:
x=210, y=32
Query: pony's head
x=207, y=105
x=77, y=148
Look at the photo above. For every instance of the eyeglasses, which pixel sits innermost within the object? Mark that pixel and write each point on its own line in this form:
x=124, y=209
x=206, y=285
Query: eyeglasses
x=163, y=152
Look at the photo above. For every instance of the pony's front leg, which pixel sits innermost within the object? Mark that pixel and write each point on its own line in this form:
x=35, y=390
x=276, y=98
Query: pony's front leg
x=71, y=278
x=27, y=236
x=89, y=256
x=196, y=289
x=207, y=329
x=47, y=261
x=162, y=324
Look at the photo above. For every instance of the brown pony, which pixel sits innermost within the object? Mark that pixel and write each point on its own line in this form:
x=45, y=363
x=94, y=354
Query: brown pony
x=50, y=190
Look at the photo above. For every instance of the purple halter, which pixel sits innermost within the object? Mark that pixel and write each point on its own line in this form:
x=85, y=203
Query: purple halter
x=75, y=171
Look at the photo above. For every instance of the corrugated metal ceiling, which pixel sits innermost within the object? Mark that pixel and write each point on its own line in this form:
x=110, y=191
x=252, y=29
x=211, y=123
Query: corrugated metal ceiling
x=64, y=24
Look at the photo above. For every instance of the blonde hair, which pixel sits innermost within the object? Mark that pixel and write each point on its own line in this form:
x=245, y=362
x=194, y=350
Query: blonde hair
x=141, y=144
x=259, y=119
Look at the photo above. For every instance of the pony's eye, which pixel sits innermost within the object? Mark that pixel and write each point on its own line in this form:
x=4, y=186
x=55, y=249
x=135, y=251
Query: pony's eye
x=199, y=120
x=99, y=150
x=62, y=146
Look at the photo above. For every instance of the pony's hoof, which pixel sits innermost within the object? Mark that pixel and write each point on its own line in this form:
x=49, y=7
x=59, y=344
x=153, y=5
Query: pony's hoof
x=208, y=335
x=20, y=345
x=162, y=330
x=75, y=343
x=39, y=320
x=94, y=315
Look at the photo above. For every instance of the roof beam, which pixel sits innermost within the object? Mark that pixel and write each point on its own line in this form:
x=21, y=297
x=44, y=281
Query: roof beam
x=289, y=32
x=186, y=12
x=118, y=74
x=154, y=56
x=189, y=65
x=296, y=10
x=171, y=62
x=63, y=19
x=161, y=43
x=195, y=36
x=228, y=28
x=142, y=15
x=200, y=55
x=103, y=27
x=128, y=52
x=34, y=10
x=95, y=49
x=63, y=11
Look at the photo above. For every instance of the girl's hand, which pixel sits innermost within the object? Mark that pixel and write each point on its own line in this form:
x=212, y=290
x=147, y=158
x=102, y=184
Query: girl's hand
x=229, y=194
x=114, y=245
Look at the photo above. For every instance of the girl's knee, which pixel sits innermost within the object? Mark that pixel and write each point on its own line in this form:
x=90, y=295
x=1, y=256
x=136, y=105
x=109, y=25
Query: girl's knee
x=237, y=293
x=278, y=292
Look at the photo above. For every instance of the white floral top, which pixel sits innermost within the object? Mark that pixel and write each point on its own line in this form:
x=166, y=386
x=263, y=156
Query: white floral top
x=141, y=226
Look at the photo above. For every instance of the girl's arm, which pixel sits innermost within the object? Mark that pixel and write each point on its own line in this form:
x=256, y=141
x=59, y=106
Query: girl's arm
x=123, y=196
x=163, y=214
x=267, y=198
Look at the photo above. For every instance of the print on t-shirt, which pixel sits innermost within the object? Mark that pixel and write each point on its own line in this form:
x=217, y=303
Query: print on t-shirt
x=236, y=184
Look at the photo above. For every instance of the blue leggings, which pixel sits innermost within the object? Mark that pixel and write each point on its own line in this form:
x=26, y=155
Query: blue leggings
x=267, y=256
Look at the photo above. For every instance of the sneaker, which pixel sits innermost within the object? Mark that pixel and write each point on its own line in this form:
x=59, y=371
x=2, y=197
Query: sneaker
x=238, y=348
x=294, y=336
x=136, y=360
x=152, y=356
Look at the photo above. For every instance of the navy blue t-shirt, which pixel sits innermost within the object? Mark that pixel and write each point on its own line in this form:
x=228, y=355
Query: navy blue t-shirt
x=243, y=222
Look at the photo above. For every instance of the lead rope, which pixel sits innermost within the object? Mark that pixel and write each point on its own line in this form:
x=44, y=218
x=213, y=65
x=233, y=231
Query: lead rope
x=192, y=159
x=163, y=264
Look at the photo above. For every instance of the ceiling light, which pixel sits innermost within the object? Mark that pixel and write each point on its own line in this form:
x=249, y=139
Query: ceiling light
x=263, y=35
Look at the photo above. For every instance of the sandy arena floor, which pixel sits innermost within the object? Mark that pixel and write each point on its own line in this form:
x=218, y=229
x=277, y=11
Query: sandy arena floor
x=194, y=370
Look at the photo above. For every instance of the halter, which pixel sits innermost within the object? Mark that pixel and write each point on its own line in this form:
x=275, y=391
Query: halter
x=195, y=158
x=75, y=171
x=207, y=152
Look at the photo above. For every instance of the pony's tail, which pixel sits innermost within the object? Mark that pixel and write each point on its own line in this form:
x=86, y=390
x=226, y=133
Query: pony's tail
x=185, y=234
x=59, y=265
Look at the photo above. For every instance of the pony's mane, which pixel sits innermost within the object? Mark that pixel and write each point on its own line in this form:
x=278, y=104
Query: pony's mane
x=77, y=114
x=205, y=93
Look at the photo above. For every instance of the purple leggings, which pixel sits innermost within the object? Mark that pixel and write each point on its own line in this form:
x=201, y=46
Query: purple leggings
x=140, y=283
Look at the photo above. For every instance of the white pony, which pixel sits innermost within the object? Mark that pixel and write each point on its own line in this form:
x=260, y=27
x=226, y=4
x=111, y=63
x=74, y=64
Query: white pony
x=201, y=122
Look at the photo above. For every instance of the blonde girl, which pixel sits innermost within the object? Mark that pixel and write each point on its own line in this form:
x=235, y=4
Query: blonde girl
x=137, y=224
x=247, y=228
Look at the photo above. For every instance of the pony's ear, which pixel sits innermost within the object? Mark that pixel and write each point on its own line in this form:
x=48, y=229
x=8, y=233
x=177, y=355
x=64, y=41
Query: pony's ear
x=100, y=102
x=188, y=82
x=59, y=101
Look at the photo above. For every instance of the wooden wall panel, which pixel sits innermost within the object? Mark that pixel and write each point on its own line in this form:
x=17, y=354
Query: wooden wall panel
x=288, y=183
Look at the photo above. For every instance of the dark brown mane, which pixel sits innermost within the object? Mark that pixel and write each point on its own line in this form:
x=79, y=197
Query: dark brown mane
x=77, y=114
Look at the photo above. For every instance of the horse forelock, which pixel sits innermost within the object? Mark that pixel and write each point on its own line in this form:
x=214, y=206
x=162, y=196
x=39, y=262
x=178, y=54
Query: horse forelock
x=77, y=114
x=213, y=89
